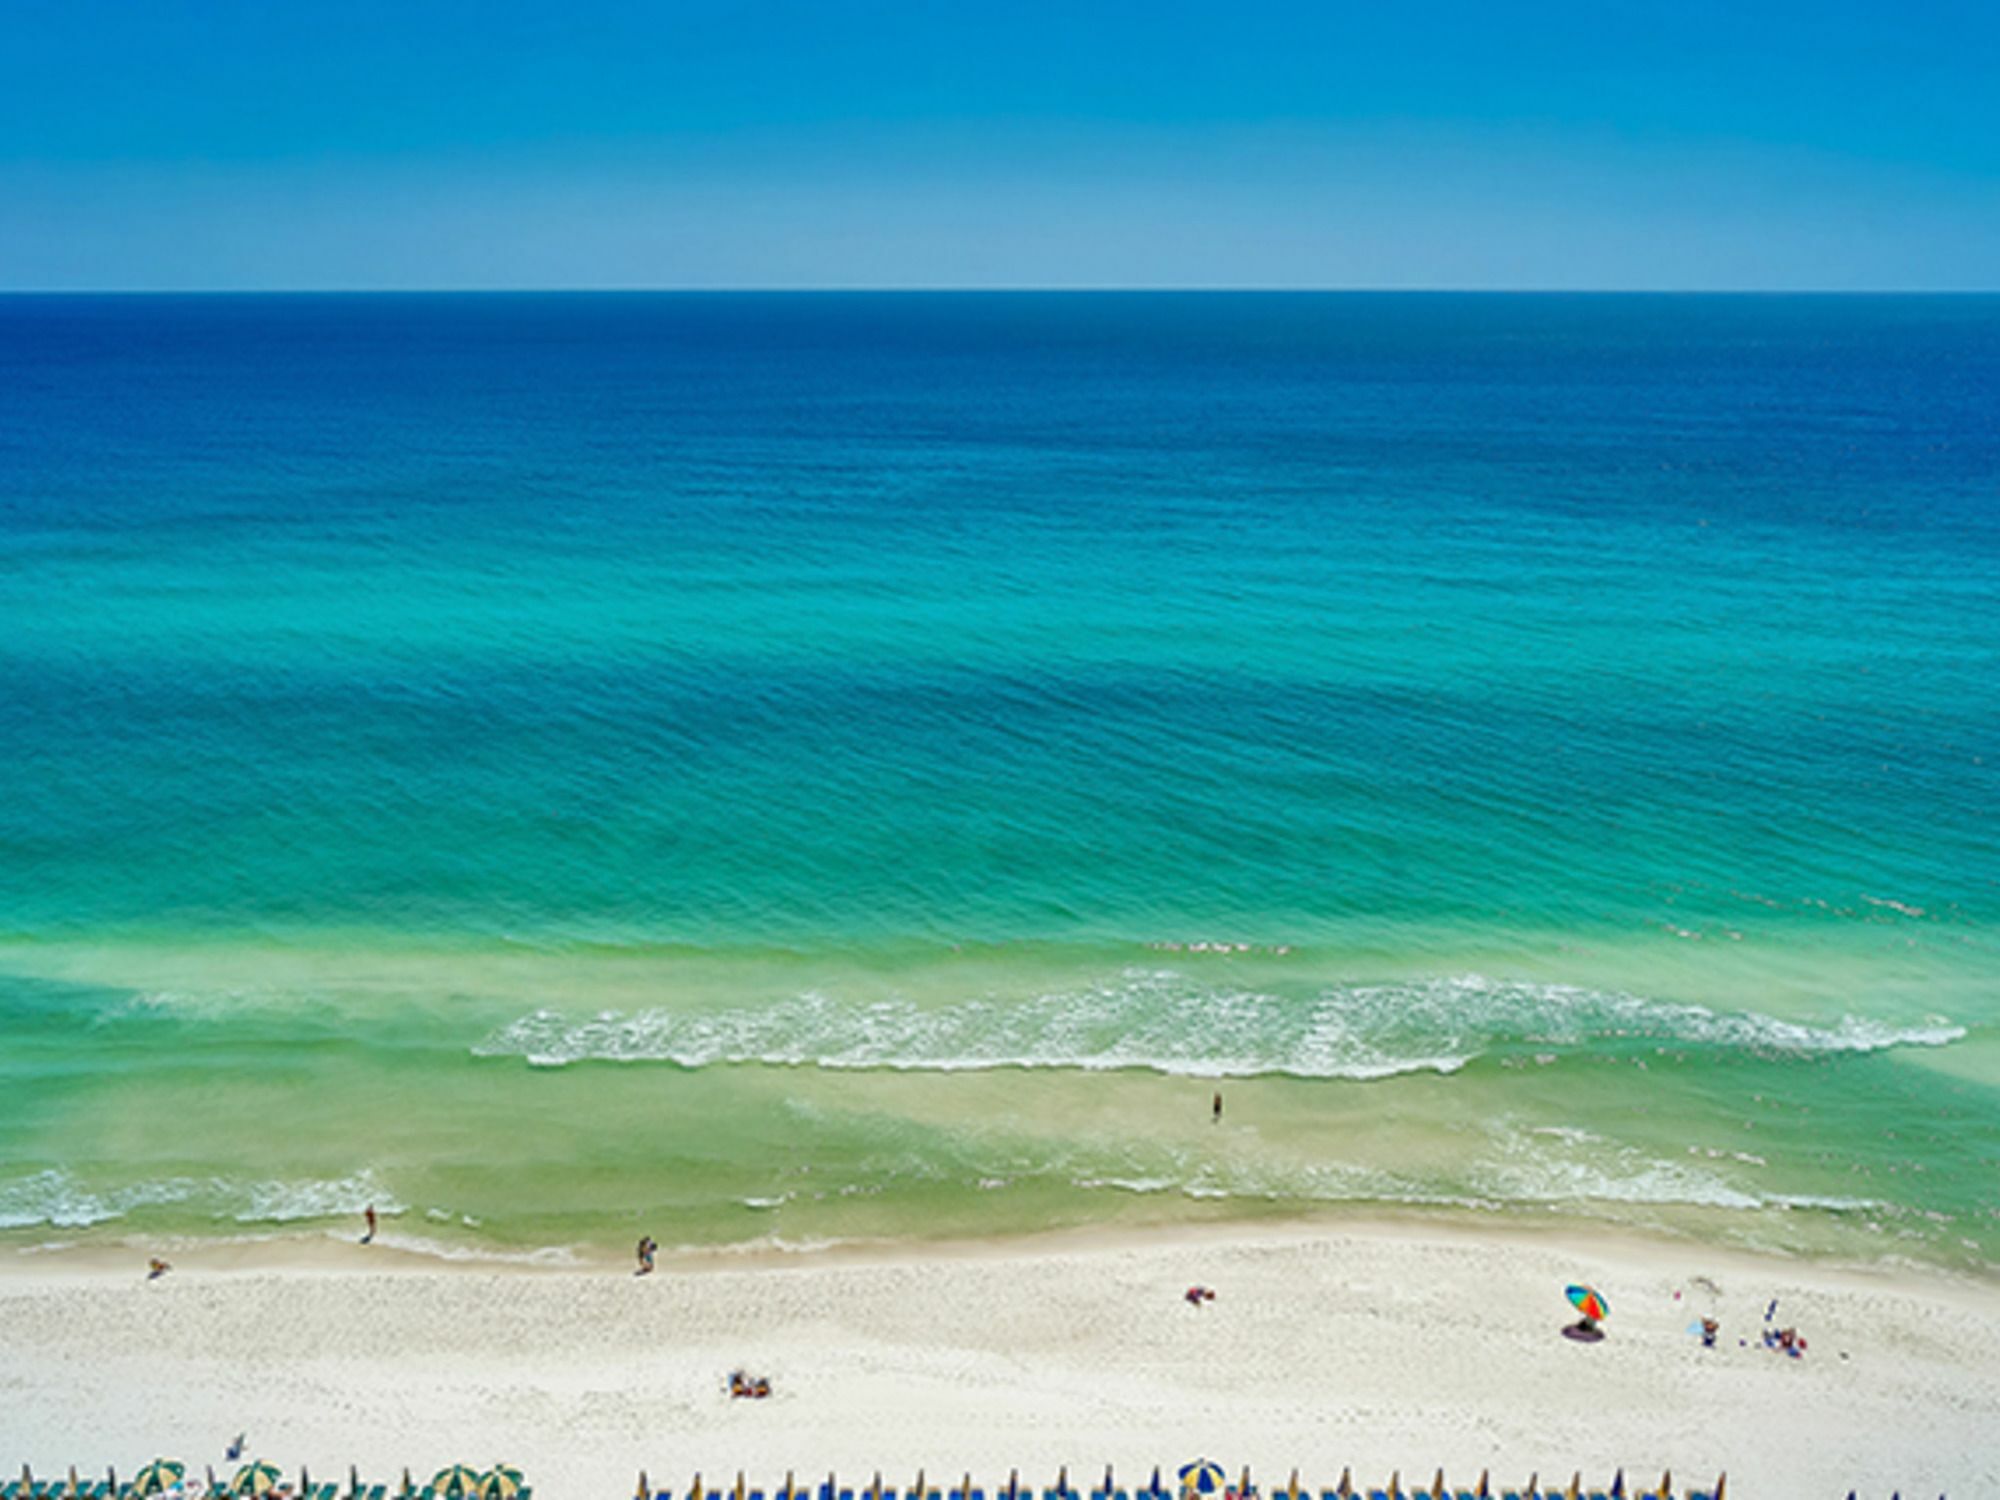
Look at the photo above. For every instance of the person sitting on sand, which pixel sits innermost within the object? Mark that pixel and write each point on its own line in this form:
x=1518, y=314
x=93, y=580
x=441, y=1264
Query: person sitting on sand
x=156, y=1268
x=1709, y=1329
x=1196, y=1295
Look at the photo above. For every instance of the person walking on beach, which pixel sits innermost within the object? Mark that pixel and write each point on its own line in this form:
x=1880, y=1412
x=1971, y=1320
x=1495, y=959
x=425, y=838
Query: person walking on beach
x=647, y=1245
x=1216, y=1117
x=368, y=1213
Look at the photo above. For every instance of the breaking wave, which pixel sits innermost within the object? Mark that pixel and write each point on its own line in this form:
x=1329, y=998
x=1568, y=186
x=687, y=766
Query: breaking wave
x=56, y=1199
x=1165, y=1022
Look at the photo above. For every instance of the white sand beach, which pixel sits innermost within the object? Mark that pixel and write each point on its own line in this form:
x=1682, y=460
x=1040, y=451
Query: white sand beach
x=1382, y=1346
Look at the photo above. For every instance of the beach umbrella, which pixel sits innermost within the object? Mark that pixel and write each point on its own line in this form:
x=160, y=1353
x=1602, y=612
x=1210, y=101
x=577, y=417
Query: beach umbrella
x=408, y=1488
x=255, y=1477
x=160, y=1474
x=1202, y=1478
x=645, y=1490
x=459, y=1482
x=1618, y=1485
x=694, y=1490
x=501, y=1482
x=1589, y=1302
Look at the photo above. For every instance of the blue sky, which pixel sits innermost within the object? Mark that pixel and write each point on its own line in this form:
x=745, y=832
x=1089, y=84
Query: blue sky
x=716, y=143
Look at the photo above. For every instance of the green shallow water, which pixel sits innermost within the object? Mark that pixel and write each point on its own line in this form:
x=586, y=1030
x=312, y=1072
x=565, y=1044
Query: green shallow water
x=782, y=770
x=515, y=1102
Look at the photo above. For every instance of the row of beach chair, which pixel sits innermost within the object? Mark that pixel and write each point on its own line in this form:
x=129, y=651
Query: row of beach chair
x=965, y=1490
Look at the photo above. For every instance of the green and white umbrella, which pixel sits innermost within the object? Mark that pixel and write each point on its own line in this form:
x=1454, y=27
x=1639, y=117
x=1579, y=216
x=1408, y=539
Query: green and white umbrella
x=160, y=1474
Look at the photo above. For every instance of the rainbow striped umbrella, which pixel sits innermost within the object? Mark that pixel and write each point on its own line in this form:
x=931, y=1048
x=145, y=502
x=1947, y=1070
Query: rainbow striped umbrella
x=1202, y=1478
x=1590, y=1302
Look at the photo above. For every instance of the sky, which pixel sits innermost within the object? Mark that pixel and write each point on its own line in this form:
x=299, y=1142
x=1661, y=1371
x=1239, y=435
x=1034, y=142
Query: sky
x=1683, y=144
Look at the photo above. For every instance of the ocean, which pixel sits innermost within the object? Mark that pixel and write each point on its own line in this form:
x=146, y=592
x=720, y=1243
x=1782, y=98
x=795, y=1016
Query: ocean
x=792, y=769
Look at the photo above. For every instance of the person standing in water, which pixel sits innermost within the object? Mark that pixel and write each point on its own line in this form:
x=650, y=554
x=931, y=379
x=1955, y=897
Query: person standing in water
x=368, y=1213
x=1216, y=1117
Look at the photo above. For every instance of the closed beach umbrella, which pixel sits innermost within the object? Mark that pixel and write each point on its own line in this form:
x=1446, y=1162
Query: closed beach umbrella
x=500, y=1483
x=160, y=1474
x=255, y=1478
x=1202, y=1478
x=459, y=1482
x=1589, y=1302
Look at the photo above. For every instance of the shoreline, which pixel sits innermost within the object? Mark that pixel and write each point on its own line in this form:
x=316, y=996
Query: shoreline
x=1380, y=1345
x=329, y=1252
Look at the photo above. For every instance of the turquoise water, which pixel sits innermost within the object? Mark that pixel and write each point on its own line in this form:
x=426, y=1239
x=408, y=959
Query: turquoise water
x=797, y=768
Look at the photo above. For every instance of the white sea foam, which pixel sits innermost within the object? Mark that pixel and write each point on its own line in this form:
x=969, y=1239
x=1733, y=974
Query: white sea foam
x=287, y=1202
x=57, y=1199
x=1166, y=1022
